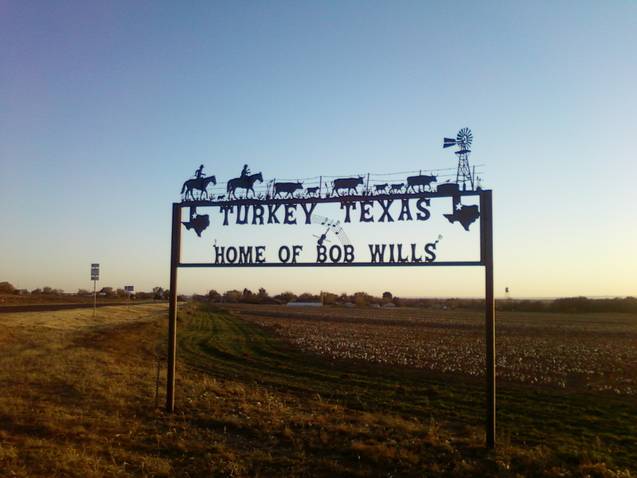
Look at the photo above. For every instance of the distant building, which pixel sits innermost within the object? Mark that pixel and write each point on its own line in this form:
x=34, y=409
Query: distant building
x=304, y=304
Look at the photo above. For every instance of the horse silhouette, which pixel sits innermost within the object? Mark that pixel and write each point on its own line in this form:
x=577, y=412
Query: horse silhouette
x=200, y=184
x=244, y=182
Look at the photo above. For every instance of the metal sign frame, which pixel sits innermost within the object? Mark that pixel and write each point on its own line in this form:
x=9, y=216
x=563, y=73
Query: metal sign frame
x=486, y=261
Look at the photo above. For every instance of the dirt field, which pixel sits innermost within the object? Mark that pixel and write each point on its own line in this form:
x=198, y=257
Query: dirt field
x=587, y=351
x=78, y=399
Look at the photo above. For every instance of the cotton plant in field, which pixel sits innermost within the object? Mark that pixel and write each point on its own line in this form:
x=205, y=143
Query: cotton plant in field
x=556, y=350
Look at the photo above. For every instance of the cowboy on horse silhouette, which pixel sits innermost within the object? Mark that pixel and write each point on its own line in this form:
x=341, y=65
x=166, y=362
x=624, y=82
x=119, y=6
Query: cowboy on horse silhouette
x=245, y=181
x=199, y=183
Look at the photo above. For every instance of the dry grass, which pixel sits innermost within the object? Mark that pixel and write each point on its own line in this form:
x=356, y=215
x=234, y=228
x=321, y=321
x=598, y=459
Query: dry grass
x=13, y=300
x=71, y=388
x=78, y=400
x=76, y=319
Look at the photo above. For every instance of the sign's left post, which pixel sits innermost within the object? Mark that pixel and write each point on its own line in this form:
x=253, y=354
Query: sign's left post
x=175, y=258
x=95, y=276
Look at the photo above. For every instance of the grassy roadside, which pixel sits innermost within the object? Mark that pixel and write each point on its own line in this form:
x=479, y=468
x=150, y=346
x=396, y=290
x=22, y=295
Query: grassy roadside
x=78, y=400
x=578, y=428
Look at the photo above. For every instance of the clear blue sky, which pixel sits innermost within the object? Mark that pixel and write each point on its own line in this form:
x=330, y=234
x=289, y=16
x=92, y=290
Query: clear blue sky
x=106, y=107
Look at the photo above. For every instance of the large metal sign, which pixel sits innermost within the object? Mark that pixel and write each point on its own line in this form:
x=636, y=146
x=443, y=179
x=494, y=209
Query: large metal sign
x=251, y=200
x=327, y=242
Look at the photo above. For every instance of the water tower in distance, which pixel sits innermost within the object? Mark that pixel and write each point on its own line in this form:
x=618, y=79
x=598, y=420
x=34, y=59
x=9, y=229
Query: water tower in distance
x=463, y=140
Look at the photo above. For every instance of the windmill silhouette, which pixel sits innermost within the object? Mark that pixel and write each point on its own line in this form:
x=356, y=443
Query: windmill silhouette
x=463, y=140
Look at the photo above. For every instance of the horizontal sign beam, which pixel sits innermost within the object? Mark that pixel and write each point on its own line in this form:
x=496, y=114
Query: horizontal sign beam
x=331, y=199
x=335, y=264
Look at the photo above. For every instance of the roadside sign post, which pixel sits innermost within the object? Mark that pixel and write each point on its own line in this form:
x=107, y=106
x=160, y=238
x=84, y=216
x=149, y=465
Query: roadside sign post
x=486, y=261
x=346, y=193
x=486, y=254
x=129, y=289
x=175, y=257
x=95, y=276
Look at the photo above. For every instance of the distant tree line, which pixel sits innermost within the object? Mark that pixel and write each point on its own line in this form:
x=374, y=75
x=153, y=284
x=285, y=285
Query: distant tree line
x=157, y=293
x=9, y=289
x=571, y=305
x=363, y=299
x=327, y=298
x=562, y=305
x=360, y=299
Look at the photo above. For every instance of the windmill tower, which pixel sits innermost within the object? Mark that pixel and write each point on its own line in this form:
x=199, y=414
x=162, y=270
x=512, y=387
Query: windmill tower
x=463, y=140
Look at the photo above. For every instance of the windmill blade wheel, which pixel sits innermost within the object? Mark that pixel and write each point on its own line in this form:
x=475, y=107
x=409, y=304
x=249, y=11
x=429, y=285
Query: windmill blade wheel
x=464, y=138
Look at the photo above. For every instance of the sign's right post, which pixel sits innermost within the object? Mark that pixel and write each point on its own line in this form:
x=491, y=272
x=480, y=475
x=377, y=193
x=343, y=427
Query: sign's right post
x=175, y=257
x=486, y=257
